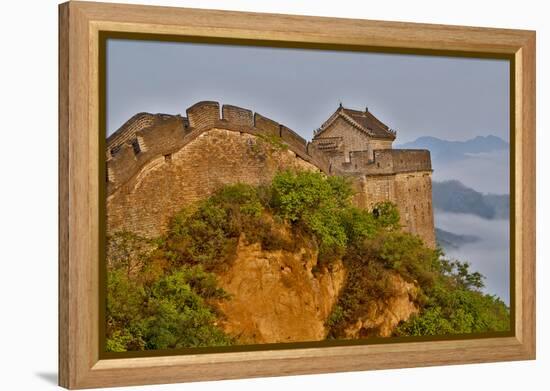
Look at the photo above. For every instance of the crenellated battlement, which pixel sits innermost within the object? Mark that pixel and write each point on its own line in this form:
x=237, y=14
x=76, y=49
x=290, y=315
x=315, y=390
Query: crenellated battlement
x=148, y=136
x=386, y=162
x=238, y=116
x=203, y=114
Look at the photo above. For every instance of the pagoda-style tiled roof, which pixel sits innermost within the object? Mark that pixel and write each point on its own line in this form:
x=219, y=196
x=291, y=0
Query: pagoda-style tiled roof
x=362, y=120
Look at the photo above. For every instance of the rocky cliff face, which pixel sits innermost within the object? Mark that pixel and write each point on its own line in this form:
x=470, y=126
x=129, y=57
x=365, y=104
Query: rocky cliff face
x=283, y=296
x=276, y=297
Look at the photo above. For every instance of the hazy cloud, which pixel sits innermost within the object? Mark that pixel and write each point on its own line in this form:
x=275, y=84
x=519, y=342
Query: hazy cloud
x=490, y=255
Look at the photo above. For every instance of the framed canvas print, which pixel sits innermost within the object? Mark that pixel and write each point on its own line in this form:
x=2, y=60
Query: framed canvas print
x=247, y=195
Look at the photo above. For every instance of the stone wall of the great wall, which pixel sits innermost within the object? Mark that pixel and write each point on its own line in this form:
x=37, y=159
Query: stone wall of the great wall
x=413, y=197
x=411, y=192
x=146, y=203
x=170, y=162
x=158, y=164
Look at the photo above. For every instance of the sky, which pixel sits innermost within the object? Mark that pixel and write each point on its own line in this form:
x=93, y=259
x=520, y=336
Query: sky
x=445, y=97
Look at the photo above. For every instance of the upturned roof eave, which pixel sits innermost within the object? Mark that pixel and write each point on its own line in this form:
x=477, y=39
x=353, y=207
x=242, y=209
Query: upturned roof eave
x=341, y=113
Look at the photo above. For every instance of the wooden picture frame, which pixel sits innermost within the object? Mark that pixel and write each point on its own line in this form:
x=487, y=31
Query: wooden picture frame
x=80, y=26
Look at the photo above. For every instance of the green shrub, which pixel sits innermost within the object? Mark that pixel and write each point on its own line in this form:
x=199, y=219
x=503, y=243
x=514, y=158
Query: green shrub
x=124, y=310
x=177, y=316
x=316, y=203
x=407, y=255
x=172, y=312
x=296, y=195
x=358, y=224
x=455, y=305
x=120, y=340
x=208, y=232
x=387, y=215
x=458, y=311
x=336, y=316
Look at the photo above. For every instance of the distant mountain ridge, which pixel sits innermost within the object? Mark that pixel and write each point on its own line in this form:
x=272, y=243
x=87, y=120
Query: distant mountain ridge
x=453, y=196
x=451, y=150
x=450, y=240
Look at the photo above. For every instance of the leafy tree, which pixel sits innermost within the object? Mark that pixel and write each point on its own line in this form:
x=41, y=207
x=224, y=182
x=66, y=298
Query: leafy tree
x=460, y=276
x=299, y=194
x=316, y=203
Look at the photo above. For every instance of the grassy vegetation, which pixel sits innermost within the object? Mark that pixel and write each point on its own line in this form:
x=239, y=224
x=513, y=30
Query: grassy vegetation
x=162, y=293
x=274, y=141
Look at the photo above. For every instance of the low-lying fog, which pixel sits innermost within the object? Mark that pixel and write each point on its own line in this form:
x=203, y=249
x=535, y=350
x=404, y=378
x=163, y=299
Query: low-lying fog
x=483, y=172
x=490, y=255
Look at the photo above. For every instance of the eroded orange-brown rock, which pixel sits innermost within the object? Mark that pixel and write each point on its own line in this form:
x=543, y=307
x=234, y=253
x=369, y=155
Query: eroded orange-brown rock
x=276, y=297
